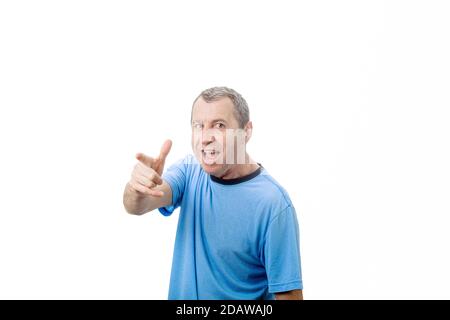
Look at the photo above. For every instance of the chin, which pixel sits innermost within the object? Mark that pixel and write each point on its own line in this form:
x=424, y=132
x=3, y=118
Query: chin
x=212, y=169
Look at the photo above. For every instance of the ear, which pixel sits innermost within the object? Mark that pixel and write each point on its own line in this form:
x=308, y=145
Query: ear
x=248, y=131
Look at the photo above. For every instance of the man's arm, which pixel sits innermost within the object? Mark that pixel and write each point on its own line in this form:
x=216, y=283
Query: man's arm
x=289, y=295
x=146, y=190
x=138, y=203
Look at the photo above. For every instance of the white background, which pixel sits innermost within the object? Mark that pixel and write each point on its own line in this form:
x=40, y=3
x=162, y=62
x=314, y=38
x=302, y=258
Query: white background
x=350, y=104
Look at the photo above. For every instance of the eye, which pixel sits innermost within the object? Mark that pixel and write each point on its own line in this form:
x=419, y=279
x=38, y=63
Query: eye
x=219, y=125
x=197, y=125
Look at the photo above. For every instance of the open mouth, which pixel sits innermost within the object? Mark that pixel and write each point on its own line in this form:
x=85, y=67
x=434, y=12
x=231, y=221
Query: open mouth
x=210, y=156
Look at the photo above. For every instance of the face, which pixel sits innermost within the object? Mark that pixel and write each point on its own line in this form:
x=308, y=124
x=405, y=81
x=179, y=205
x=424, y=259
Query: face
x=217, y=141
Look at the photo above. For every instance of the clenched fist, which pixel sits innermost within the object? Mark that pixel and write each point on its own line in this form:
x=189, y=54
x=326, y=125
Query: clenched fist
x=147, y=172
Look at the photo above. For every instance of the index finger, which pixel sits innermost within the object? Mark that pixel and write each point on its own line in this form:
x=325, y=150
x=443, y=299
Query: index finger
x=165, y=149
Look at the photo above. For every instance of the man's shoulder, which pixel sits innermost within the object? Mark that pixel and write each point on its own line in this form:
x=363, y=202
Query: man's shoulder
x=273, y=191
x=186, y=163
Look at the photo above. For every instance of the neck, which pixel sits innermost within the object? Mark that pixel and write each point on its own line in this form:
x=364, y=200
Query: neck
x=240, y=170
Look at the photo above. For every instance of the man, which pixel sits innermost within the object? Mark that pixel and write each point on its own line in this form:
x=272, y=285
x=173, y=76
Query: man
x=237, y=235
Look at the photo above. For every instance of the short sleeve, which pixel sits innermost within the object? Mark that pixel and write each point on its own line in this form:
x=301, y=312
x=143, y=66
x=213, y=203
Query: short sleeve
x=282, y=252
x=175, y=176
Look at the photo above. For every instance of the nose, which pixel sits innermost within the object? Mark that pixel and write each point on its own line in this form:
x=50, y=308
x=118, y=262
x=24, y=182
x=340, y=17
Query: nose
x=207, y=137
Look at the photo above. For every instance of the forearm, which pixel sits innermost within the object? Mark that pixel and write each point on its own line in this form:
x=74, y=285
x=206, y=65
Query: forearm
x=289, y=295
x=135, y=202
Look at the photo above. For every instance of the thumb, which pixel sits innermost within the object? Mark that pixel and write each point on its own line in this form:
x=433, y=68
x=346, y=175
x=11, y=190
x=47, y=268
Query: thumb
x=148, y=161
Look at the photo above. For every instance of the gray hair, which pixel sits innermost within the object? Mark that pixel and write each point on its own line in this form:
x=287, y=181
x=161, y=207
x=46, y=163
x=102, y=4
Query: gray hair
x=241, y=112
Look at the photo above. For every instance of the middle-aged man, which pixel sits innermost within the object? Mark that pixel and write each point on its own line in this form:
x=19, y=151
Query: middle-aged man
x=238, y=235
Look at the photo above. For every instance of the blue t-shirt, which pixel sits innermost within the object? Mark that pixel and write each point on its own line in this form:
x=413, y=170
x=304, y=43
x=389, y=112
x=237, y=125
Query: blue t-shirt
x=236, y=239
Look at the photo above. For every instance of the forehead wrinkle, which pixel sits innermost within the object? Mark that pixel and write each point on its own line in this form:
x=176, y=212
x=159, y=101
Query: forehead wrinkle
x=209, y=112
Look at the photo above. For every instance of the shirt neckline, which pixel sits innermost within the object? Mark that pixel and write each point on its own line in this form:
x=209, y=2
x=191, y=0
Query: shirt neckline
x=238, y=180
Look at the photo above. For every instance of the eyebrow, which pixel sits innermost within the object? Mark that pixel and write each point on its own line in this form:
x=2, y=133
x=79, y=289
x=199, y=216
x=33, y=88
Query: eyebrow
x=219, y=120
x=215, y=120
